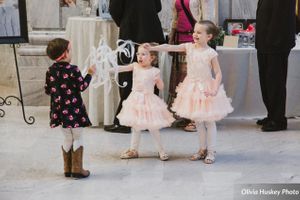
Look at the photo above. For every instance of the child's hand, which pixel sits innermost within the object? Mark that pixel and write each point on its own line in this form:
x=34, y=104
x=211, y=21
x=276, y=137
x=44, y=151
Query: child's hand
x=92, y=69
x=210, y=93
x=147, y=46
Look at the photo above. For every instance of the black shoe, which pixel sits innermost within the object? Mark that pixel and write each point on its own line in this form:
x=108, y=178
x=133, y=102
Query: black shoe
x=262, y=122
x=107, y=127
x=117, y=129
x=274, y=126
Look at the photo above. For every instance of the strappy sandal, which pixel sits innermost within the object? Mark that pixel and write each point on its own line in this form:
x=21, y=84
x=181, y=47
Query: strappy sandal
x=191, y=127
x=210, y=158
x=129, y=154
x=163, y=156
x=201, y=154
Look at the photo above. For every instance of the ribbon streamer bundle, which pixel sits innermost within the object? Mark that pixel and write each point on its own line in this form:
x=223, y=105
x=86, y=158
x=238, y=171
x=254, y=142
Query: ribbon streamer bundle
x=105, y=61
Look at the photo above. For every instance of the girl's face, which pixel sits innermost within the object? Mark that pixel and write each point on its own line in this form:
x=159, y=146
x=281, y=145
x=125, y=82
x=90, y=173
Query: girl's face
x=200, y=35
x=143, y=57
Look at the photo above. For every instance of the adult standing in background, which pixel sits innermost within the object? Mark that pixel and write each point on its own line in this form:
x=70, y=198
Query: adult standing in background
x=138, y=21
x=275, y=37
x=297, y=16
x=185, y=14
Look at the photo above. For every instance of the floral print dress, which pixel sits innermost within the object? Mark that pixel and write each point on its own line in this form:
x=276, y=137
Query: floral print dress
x=64, y=83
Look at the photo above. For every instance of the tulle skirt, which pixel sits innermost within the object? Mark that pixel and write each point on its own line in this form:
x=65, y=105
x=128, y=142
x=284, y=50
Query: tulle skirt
x=192, y=103
x=145, y=111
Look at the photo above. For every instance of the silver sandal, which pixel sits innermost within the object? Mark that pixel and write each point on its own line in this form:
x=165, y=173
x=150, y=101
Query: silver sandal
x=210, y=158
x=201, y=154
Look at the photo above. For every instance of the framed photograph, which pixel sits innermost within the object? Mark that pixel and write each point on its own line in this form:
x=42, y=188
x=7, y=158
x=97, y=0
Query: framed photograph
x=250, y=21
x=231, y=24
x=13, y=22
x=104, y=9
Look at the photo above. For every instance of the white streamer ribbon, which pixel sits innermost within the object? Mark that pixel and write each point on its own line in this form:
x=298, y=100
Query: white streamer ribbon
x=105, y=60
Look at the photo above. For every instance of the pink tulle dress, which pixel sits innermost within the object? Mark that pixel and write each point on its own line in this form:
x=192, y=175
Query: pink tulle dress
x=191, y=101
x=143, y=109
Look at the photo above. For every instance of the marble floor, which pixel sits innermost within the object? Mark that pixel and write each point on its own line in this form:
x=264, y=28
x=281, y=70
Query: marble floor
x=31, y=162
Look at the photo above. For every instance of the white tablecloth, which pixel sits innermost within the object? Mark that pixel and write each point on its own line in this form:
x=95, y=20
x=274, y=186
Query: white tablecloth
x=84, y=33
x=241, y=81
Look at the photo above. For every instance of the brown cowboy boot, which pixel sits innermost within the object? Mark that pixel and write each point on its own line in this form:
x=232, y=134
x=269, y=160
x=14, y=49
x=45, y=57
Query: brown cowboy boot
x=77, y=170
x=67, y=162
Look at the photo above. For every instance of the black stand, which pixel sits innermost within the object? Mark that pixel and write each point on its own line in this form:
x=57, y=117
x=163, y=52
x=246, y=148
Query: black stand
x=6, y=101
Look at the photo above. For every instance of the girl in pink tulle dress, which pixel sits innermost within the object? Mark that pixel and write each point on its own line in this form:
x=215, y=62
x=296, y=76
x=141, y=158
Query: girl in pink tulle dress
x=201, y=97
x=143, y=109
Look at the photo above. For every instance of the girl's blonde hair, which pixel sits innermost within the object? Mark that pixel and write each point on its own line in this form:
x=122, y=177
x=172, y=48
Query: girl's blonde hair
x=153, y=54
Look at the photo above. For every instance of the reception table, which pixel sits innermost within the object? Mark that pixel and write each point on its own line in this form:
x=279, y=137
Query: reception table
x=85, y=33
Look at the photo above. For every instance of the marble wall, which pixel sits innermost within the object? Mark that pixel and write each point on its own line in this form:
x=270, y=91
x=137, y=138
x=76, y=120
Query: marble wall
x=43, y=14
x=7, y=67
x=244, y=9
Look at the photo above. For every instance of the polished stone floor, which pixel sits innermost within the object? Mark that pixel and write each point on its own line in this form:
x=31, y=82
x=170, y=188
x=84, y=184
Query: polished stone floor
x=31, y=162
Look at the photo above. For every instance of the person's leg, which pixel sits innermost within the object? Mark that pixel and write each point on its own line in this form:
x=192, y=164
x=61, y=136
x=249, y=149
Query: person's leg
x=77, y=155
x=211, y=142
x=77, y=138
x=157, y=141
x=68, y=139
x=66, y=150
x=132, y=152
x=201, y=154
x=135, y=139
x=276, y=91
x=277, y=85
x=125, y=77
x=263, y=74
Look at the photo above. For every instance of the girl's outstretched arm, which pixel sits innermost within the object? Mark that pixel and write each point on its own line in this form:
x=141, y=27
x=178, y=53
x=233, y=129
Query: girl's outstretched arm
x=166, y=47
x=122, y=68
x=125, y=68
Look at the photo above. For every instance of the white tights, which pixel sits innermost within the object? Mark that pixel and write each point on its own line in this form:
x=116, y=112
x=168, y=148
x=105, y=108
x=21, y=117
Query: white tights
x=136, y=136
x=207, y=135
x=73, y=136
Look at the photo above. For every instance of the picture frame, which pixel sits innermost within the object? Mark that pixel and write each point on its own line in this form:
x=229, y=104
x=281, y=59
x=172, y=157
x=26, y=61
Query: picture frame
x=230, y=24
x=13, y=22
x=250, y=21
x=104, y=9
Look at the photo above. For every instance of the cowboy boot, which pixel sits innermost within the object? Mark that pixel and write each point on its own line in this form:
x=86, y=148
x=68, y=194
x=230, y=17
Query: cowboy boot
x=77, y=170
x=67, y=162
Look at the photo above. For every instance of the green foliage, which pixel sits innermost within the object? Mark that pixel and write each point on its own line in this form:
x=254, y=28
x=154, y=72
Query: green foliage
x=218, y=41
